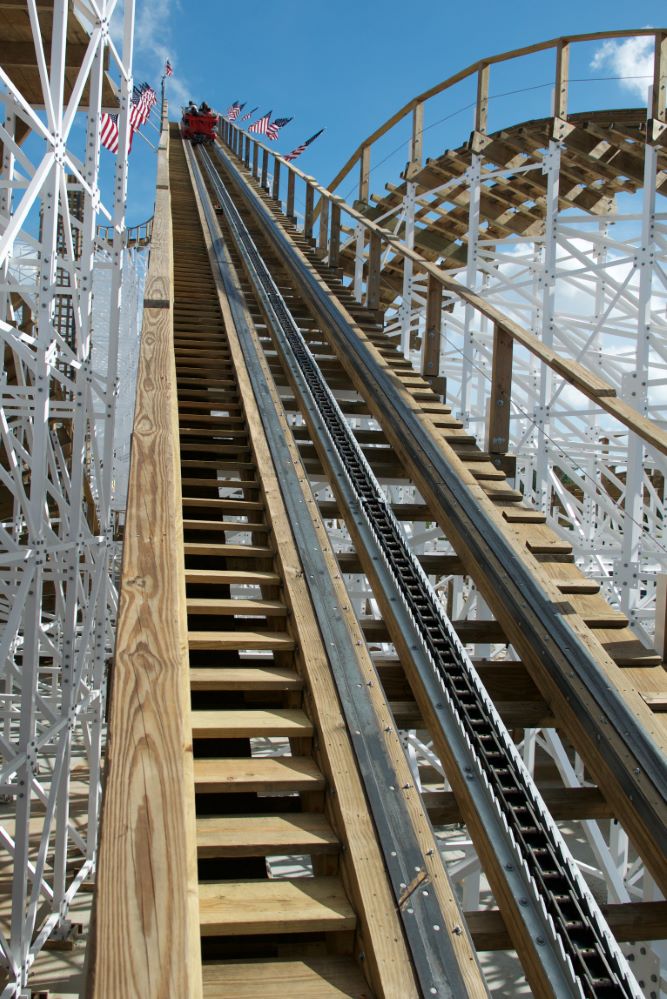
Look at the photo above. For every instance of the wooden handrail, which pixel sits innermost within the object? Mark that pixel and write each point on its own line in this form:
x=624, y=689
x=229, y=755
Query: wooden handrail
x=132, y=233
x=590, y=385
x=146, y=925
x=658, y=110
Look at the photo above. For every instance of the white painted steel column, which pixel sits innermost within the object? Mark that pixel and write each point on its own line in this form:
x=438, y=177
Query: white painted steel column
x=635, y=392
x=405, y=311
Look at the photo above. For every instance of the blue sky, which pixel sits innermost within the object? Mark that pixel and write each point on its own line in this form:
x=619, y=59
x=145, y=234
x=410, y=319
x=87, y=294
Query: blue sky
x=349, y=65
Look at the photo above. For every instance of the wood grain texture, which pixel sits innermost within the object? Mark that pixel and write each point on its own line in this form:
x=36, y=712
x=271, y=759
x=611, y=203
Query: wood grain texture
x=302, y=905
x=146, y=939
x=314, y=978
x=362, y=865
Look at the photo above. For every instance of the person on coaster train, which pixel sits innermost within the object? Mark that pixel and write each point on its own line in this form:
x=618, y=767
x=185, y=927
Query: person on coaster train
x=204, y=108
x=192, y=108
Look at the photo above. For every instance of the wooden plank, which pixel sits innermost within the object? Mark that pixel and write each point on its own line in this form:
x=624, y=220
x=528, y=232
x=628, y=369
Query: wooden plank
x=308, y=217
x=227, y=577
x=565, y=804
x=222, y=641
x=364, y=173
x=265, y=169
x=304, y=905
x=431, y=347
x=417, y=140
x=482, y=103
x=627, y=921
x=249, y=724
x=661, y=614
x=275, y=188
x=311, y=978
x=286, y=774
x=244, y=678
x=562, y=79
x=289, y=204
x=373, y=274
x=498, y=431
x=334, y=235
x=387, y=962
x=323, y=229
x=264, y=835
x=145, y=936
x=236, y=606
x=228, y=551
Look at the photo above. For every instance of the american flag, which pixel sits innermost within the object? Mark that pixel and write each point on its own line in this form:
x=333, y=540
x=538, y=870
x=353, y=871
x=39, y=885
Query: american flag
x=143, y=99
x=247, y=115
x=235, y=111
x=261, y=126
x=168, y=71
x=299, y=149
x=109, y=132
x=231, y=108
x=274, y=127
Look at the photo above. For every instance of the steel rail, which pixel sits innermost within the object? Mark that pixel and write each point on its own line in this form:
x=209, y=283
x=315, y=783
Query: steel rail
x=425, y=924
x=638, y=765
x=577, y=951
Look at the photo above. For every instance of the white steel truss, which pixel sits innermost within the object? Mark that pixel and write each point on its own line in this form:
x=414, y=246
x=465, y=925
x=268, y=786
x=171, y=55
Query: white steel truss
x=594, y=289
x=57, y=596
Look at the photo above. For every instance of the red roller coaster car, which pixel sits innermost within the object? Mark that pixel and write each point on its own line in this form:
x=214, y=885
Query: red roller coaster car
x=199, y=125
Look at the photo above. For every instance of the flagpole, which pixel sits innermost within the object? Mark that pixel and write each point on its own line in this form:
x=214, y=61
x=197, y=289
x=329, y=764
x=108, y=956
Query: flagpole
x=142, y=136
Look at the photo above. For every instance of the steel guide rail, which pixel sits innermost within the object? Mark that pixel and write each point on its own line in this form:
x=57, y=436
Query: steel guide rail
x=572, y=937
x=640, y=767
x=434, y=959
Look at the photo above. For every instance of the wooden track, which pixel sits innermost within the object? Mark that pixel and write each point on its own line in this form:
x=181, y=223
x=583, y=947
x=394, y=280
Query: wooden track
x=292, y=883
x=637, y=672
x=602, y=156
x=292, y=896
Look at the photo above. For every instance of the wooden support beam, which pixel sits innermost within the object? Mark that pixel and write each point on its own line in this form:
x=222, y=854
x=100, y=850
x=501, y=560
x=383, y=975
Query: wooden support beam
x=417, y=144
x=146, y=930
x=323, y=232
x=564, y=803
x=265, y=169
x=255, y=160
x=364, y=173
x=659, y=98
x=432, y=333
x=247, y=151
x=275, y=190
x=498, y=430
x=627, y=921
x=289, y=206
x=482, y=105
x=562, y=79
x=334, y=235
x=660, y=643
x=308, y=212
x=374, y=266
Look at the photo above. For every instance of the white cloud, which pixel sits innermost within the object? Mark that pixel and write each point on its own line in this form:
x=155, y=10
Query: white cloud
x=631, y=59
x=153, y=44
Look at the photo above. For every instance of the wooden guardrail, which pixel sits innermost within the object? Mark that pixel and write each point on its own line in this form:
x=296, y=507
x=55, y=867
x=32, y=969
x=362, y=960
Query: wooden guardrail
x=146, y=923
x=507, y=331
x=135, y=235
x=482, y=70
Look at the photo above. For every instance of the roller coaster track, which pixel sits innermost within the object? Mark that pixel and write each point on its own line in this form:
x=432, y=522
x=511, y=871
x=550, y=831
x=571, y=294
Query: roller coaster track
x=279, y=703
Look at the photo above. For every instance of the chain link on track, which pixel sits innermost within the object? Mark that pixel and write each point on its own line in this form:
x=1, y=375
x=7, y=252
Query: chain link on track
x=577, y=933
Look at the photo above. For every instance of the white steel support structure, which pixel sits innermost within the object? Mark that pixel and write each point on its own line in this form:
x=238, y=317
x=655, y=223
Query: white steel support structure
x=594, y=289
x=57, y=596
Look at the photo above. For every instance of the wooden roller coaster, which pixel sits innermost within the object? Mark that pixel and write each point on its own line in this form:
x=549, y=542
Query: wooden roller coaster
x=263, y=831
